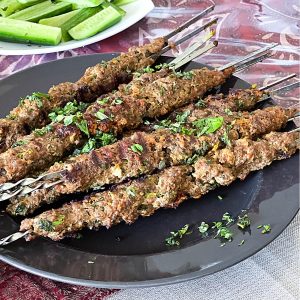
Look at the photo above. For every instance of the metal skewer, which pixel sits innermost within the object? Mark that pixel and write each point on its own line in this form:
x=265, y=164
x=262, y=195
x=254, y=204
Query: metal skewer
x=18, y=235
x=190, y=22
x=26, y=186
x=251, y=55
x=263, y=88
x=187, y=37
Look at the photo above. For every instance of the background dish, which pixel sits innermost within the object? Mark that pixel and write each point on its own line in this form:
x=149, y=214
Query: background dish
x=135, y=12
x=141, y=258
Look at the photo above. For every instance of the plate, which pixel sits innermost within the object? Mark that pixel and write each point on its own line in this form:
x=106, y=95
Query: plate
x=136, y=255
x=135, y=12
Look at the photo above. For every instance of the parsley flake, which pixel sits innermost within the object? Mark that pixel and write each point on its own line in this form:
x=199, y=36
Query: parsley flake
x=173, y=240
x=137, y=148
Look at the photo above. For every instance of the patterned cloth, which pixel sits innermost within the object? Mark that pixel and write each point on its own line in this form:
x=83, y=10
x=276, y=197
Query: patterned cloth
x=244, y=26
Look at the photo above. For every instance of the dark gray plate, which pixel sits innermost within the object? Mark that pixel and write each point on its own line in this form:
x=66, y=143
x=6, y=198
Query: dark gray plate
x=136, y=255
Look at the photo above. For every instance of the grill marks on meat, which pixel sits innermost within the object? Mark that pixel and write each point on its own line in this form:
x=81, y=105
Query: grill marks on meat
x=97, y=80
x=127, y=114
x=38, y=152
x=117, y=162
x=166, y=189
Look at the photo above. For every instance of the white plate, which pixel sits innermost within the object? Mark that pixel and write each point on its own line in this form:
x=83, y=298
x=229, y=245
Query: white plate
x=135, y=12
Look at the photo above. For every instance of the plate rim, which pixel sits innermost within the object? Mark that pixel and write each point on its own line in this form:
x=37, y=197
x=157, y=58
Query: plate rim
x=146, y=283
x=147, y=5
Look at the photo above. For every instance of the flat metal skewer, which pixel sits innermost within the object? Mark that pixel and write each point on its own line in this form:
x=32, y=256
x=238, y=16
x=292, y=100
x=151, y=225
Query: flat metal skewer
x=190, y=22
x=30, y=184
x=287, y=87
x=187, y=37
x=263, y=88
x=251, y=55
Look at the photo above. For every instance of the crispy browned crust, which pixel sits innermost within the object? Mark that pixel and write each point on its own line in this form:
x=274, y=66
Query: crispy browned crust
x=97, y=80
x=168, y=188
x=128, y=114
x=117, y=162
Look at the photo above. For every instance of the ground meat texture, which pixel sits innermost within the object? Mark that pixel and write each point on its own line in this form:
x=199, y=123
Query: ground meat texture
x=39, y=152
x=97, y=80
x=117, y=162
x=166, y=189
x=159, y=98
x=130, y=112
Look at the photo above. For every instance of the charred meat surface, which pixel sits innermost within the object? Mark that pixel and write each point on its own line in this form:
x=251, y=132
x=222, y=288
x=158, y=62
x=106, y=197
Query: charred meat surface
x=160, y=97
x=166, y=189
x=156, y=150
x=32, y=111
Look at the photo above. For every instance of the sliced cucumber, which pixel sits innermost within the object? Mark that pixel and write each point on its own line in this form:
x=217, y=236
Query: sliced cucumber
x=84, y=14
x=117, y=8
x=97, y=23
x=42, y=10
x=26, y=32
x=29, y=2
x=123, y=2
x=83, y=3
x=57, y=21
x=8, y=7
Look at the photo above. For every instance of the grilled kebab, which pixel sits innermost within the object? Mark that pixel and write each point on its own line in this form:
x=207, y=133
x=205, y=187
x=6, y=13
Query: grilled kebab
x=110, y=114
x=32, y=111
x=143, y=153
x=166, y=189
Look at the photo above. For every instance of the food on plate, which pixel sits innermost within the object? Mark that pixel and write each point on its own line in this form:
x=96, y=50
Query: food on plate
x=70, y=20
x=107, y=116
x=166, y=189
x=32, y=111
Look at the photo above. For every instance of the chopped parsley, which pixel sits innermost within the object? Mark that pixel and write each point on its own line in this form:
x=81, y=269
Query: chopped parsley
x=137, y=148
x=185, y=75
x=101, y=115
x=42, y=131
x=242, y=242
x=203, y=228
x=71, y=113
x=173, y=240
x=266, y=228
x=19, y=143
x=59, y=220
x=37, y=97
x=45, y=225
x=243, y=221
x=222, y=231
x=99, y=140
x=103, y=100
x=208, y=125
x=227, y=218
x=117, y=101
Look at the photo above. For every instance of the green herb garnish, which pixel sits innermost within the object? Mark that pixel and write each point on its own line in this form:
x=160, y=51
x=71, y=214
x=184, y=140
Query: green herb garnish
x=101, y=115
x=131, y=192
x=137, y=148
x=266, y=229
x=45, y=225
x=242, y=242
x=59, y=220
x=42, y=131
x=203, y=228
x=222, y=231
x=227, y=218
x=208, y=125
x=243, y=221
x=19, y=143
x=173, y=240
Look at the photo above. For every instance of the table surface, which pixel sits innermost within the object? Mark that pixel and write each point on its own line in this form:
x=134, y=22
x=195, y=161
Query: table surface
x=244, y=25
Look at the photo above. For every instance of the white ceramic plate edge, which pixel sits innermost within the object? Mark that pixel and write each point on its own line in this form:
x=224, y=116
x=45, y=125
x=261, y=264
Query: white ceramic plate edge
x=135, y=12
